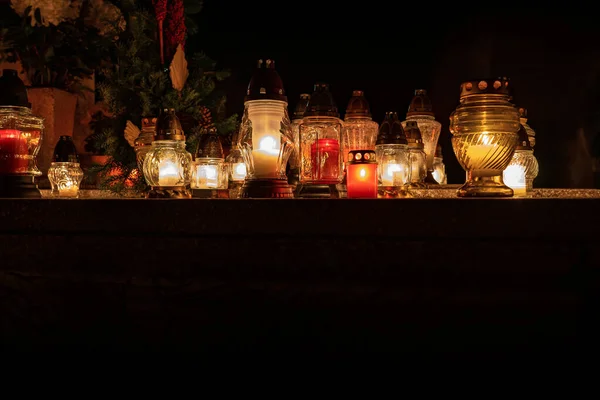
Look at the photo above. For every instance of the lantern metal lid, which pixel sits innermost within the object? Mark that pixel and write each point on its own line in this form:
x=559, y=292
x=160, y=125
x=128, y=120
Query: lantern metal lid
x=301, y=106
x=168, y=126
x=265, y=84
x=65, y=150
x=210, y=145
x=498, y=86
x=358, y=106
x=321, y=103
x=413, y=135
x=524, y=143
x=13, y=91
x=362, y=157
x=391, y=131
x=420, y=104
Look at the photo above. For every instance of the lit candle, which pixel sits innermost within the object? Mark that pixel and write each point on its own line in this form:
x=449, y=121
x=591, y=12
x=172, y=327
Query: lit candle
x=168, y=173
x=266, y=157
x=393, y=175
x=477, y=154
x=514, y=177
x=13, y=152
x=325, y=158
x=239, y=172
x=207, y=176
x=68, y=189
x=361, y=174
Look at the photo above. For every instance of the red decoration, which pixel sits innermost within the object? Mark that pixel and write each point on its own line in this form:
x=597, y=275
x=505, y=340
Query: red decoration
x=13, y=152
x=160, y=10
x=361, y=181
x=176, y=30
x=325, y=161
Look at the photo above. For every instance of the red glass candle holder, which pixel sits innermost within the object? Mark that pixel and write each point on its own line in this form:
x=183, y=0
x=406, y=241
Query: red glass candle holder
x=13, y=152
x=361, y=174
x=325, y=157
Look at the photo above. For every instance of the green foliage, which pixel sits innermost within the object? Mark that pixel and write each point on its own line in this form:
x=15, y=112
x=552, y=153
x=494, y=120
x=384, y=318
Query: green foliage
x=137, y=86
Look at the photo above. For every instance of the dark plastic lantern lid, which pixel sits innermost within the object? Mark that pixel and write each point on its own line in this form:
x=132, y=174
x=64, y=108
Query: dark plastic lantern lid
x=12, y=90
x=65, y=150
x=265, y=83
x=524, y=143
x=413, y=134
x=210, y=145
x=321, y=103
x=168, y=126
x=391, y=131
x=420, y=104
x=358, y=106
x=301, y=106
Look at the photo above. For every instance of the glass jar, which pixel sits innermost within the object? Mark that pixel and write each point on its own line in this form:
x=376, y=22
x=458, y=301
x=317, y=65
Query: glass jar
x=144, y=141
x=236, y=168
x=484, y=128
x=20, y=139
x=421, y=111
x=295, y=125
x=360, y=131
x=416, y=154
x=209, y=169
x=391, y=148
x=167, y=164
x=523, y=167
x=439, y=169
x=320, y=146
x=65, y=173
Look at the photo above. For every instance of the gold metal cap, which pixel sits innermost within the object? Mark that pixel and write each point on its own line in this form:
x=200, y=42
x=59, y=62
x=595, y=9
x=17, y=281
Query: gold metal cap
x=168, y=126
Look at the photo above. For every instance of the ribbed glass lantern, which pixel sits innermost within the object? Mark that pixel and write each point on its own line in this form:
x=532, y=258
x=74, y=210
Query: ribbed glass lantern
x=209, y=171
x=294, y=171
x=484, y=128
x=417, y=156
x=65, y=173
x=391, y=148
x=523, y=167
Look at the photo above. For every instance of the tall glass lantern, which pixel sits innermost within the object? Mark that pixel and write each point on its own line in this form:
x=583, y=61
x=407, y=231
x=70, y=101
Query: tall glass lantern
x=484, y=130
x=65, y=173
x=266, y=139
x=421, y=111
x=392, y=153
x=21, y=135
x=523, y=167
x=209, y=172
x=236, y=167
x=321, y=167
x=167, y=165
x=530, y=133
x=416, y=153
x=294, y=172
x=360, y=131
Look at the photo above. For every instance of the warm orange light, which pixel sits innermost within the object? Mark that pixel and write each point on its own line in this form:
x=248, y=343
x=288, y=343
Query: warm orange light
x=361, y=180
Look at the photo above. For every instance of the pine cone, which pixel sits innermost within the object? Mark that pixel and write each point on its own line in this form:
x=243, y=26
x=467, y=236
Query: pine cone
x=206, y=121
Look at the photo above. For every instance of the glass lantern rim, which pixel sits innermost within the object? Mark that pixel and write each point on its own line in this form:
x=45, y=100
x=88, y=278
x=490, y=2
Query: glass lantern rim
x=9, y=108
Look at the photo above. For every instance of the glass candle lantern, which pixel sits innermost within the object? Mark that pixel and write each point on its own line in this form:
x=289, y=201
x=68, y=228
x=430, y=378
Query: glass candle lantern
x=236, y=168
x=416, y=153
x=530, y=135
x=65, y=173
x=391, y=148
x=361, y=174
x=266, y=138
x=294, y=171
x=167, y=164
x=21, y=135
x=439, y=169
x=320, y=151
x=360, y=131
x=484, y=128
x=421, y=111
x=143, y=142
x=209, y=169
x=523, y=167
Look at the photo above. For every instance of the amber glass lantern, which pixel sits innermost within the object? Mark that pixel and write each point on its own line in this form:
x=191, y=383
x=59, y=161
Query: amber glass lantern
x=391, y=148
x=416, y=154
x=209, y=172
x=523, y=167
x=530, y=135
x=65, y=173
x=361, y=174
x=484, y=128
x=294, y=171
x=167, y=164
x=439, y=169
x=421, y=111
x=321, y=167
x=266, y=138
x=236, y=167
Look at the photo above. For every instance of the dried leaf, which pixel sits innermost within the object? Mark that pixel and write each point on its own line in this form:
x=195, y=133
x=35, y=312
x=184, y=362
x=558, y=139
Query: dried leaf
x=179, y=70
x=131, y=133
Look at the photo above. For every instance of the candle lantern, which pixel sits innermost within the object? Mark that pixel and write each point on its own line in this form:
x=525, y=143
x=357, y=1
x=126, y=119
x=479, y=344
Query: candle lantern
x=65, y=173
x=484, y=128
x=523, y=167
x=209, y=171
x=320, y=137
x=236, y=167
x=361, y=174
x=439, y=169
x=416, y=153
x=294, y=172
x=393, y=159
x=143, y=142
x=360, y=131
x=20, y=139
x=531, y=136
x=167, y=164
x=266, y=138
x=421, y=111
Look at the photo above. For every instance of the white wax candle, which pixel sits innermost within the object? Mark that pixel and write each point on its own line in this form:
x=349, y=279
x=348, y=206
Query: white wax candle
x=168, y=174
x=207, y=176
x=266, y=158
x=478, y=153
x=391, y=174
x=514, y=178
x=239, y=172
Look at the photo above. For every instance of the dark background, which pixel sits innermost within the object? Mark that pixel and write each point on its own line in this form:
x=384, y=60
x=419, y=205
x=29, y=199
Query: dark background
x=389, y=49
